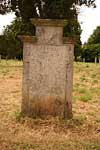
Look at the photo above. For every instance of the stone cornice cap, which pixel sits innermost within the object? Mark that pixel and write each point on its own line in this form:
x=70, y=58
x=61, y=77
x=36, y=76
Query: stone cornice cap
x=49, y=22
x=69, y=40
x=27, y=38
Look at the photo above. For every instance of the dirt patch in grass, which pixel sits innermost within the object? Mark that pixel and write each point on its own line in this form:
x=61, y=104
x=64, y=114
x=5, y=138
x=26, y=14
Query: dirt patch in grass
x=23, y=133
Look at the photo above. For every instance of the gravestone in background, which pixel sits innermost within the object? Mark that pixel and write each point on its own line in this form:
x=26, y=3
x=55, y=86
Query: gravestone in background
x=47, y=70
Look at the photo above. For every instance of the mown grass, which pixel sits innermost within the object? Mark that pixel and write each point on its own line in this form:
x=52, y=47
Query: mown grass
x=68, y=145
x=8, y=63
x=9, y=67
x=23, y=133
x=86, y=81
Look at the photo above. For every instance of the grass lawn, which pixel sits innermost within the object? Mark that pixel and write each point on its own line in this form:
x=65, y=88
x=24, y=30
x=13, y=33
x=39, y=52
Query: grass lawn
x=80, y=133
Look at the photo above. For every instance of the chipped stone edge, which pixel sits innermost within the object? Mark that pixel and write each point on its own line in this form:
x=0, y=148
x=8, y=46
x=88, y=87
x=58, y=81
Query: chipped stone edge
x=69, y=40
x=49, y=22
x=27, y=38
x=33, y=39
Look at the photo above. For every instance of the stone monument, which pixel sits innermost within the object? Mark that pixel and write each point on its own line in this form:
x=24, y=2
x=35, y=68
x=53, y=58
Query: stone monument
x=47, y=70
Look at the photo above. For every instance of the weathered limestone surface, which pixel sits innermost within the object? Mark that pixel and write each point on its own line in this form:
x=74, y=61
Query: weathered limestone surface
x=48, y=71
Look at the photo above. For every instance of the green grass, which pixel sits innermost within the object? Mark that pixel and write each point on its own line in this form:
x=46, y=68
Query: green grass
x=86, y=82
x=95, y=81
x=93, y=76
x=23, y=133
x=8, y=68
x=85, y=98
x=68, y=145
x=7, y=63
x=82, y=90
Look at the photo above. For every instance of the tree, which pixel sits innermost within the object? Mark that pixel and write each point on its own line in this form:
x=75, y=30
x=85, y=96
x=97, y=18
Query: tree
x=5, y=6
x=10, y=48
x=60, y=9
x=52, y=9
x=10, y=45
x=92, y=48
x=95, y=37
x=19, y=26
x=78, y=51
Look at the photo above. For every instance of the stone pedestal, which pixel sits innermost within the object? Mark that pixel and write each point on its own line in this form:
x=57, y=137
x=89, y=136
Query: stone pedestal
x=47, y=70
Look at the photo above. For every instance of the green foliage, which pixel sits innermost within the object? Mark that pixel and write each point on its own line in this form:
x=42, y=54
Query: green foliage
x=10, y=45
x=92, y=48
x=26, y=9
x=19, y=26
x=78, y=50
x=95, y=37
x=72, y=29
x=4, y=6
x=52, y=9
x=47, y=8
x=10, y=48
